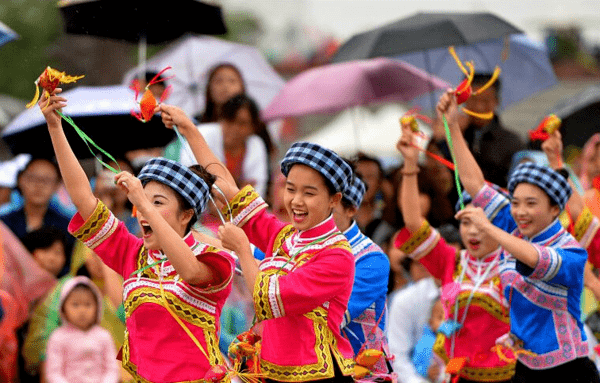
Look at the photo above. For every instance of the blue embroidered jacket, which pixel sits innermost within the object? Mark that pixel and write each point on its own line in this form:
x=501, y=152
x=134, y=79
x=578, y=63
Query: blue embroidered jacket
x=367, y=302
x=545, y=311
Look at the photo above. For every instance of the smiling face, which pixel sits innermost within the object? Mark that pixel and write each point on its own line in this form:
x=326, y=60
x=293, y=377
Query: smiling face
x=531, y=209
x=165, y=201
x=306, y=197
x=477, y=243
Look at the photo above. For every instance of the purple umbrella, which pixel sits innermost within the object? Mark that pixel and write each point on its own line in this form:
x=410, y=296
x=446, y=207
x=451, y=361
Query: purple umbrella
x=336, y=87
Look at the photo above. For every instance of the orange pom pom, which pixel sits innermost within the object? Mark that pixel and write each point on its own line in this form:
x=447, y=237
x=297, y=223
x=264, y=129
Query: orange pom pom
x=367, y=358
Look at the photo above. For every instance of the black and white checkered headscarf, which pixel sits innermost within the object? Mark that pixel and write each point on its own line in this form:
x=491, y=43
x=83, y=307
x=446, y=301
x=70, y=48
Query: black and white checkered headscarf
x=178, y=177
x=355, y=191
x=550, y=181
x=323, y=160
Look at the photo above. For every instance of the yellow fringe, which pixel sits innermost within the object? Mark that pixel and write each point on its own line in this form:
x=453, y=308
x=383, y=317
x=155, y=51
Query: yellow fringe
x=483, y=116
x=504, y=358
x=35, y=98
x=495, y=76
x=457, y=59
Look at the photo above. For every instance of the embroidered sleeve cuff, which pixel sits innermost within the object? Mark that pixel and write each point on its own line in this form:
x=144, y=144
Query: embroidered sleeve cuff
x=267, y=297
x=490, y=201
x=586, y=227
x=244, y=205
x=548, y=264
x=99, y=226
x=419, y=243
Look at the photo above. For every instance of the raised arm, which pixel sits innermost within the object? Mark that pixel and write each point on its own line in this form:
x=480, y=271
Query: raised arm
x=409, y=191
x=553, y=148
x=76, y=182
x=171, y=243
x=171, y=116
x=469, y=171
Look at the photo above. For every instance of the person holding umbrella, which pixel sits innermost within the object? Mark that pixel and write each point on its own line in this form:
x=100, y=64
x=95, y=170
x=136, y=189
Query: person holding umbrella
x=301, y=289
x=171, y=280
x=541, y=265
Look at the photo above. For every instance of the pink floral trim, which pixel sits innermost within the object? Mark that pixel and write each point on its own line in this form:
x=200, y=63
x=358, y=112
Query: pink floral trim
x=548, y=264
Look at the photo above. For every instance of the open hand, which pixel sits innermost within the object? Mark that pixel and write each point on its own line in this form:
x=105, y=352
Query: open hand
x=49, y=106
x=233, y=238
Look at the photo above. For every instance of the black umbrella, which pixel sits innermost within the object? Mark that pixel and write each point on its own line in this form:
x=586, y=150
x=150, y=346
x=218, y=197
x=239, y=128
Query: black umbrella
x=580, y=115
x=424, y=31
x=141, y=21
x=102, y=112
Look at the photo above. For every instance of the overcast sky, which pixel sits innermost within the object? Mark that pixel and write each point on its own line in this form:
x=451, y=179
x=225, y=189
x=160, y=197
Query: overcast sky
x=344, y=18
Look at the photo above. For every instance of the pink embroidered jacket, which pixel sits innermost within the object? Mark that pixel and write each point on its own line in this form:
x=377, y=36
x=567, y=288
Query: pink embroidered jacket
x=487, y=316
x=300, y=294
x=156, y=348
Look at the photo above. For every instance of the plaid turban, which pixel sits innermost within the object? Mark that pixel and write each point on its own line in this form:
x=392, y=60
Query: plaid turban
x=325, y=161
x=179, y=178
x=550, y=181
x=355, y=191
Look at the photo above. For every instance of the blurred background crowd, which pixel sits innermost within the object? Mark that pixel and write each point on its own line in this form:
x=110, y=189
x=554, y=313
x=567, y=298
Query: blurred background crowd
x=267, y=74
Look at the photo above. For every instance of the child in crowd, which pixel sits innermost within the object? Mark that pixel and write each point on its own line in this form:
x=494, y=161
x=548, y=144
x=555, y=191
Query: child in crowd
x=80, y=350
x=47, y=246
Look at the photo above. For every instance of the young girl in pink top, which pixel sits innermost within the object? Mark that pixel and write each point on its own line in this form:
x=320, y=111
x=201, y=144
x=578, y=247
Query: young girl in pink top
x=175, y=287
x=80, y=350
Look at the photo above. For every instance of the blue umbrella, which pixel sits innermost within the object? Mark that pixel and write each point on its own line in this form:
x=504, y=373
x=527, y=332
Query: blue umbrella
x=6, y=34
x=526, y=70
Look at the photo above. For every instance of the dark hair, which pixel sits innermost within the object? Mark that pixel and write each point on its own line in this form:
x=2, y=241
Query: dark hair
x=43, y=238
x=346, y=203
x=362, y=157
x=482, y=78
x=210, y=111
x=150, y=75
x=35, y=160
x=184, y=205
x=231, y=108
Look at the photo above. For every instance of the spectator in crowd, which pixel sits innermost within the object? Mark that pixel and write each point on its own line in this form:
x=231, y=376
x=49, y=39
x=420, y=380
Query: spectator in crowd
x=369, y=216
x=492, y=144
x=224, y=81
x=37, y=182
x=590, y=173
x=47, y=246
x=235, y=143
x=80, y=350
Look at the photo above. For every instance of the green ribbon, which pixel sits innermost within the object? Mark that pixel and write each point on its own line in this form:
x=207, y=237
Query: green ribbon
x=456, y=178
x=87, y=140
x=141, y=270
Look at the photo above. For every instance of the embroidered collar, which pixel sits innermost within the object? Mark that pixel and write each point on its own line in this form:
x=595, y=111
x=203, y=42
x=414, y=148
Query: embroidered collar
x=353, y=233
x=322, y=229
x=490, y=257
x=548, y=234
x=188, y=239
